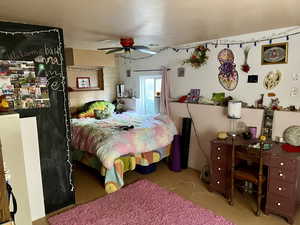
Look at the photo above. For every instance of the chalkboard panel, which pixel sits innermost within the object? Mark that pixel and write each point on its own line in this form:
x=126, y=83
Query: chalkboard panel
x=45, y=45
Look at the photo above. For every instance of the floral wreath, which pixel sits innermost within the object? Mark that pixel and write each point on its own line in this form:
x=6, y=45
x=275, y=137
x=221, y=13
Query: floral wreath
x=198, y=57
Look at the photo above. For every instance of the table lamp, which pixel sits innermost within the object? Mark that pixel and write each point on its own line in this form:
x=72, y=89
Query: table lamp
x=234, y=114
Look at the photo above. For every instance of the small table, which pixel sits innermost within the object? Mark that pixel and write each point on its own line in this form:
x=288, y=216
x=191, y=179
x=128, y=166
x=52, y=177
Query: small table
x=283, y=188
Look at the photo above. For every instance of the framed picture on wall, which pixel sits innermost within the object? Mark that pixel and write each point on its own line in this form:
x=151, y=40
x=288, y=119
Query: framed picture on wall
x=274, y=54
x=83, y=82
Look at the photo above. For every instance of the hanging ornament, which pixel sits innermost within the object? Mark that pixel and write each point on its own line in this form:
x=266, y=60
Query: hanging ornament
x=199, y=57
x=245, y=67
x=228, y=76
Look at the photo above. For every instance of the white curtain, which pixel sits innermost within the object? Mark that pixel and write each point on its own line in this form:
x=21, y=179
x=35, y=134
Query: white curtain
x=165, y=92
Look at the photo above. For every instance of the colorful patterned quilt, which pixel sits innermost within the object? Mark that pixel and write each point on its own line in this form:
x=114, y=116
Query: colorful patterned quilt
x=114, y=177
x=108, y=140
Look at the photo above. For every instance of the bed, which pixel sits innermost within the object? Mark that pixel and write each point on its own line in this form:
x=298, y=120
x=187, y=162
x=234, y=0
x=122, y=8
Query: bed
x=117, y=144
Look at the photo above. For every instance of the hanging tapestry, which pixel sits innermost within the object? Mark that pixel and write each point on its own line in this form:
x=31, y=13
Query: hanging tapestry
x=228, y=76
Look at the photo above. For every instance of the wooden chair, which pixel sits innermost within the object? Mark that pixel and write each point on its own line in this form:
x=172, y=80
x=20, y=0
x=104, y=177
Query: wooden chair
x=253, y=173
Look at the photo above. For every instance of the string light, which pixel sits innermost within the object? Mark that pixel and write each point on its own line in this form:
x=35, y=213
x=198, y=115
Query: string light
x=62, y=77
x=227, y=43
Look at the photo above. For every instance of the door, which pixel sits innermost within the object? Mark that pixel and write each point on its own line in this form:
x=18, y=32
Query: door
x=150, y=88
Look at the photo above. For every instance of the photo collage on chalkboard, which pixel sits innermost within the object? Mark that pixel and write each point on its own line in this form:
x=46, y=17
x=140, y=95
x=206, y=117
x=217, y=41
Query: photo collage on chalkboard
x=22, y=86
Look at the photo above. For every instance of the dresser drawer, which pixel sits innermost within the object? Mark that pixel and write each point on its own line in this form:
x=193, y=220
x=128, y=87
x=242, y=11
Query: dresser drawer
x=282, y=188
x=219, y=154
x=218, y=171
x=281, y=205
x=219, y=159
x=285, y=163
x=282, y=174
x=218, y=183
x=219, y=149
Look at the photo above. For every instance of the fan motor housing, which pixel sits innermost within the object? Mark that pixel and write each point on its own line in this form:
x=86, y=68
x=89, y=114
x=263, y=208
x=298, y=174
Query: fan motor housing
x=127, y=42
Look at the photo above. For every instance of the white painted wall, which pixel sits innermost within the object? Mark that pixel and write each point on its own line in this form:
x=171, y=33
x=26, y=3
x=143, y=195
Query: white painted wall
x=206, y=77
x=33, y=167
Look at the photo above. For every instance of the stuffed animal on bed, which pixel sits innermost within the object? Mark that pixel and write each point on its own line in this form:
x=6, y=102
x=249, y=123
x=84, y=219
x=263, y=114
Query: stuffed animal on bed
x=103, y=110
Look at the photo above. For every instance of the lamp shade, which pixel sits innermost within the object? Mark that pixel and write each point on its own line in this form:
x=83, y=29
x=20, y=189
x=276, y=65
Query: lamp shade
x=234, y=109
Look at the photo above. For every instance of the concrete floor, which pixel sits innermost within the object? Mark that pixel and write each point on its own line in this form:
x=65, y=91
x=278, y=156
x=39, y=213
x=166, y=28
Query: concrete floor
x=188, y=185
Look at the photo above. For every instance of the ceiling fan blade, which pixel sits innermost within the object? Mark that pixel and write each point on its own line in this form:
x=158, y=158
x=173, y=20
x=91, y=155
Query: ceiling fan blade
x=135, y=47
x=107, y=48
x=114, y=50
x=147, y=51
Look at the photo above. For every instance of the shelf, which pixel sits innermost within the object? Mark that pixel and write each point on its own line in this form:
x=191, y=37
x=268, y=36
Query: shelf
x=85, y=89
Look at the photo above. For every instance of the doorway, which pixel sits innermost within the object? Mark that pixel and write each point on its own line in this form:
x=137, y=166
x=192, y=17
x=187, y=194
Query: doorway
x=150, y=88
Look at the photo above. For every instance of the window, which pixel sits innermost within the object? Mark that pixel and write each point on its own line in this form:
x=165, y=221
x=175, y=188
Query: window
x=150, y=87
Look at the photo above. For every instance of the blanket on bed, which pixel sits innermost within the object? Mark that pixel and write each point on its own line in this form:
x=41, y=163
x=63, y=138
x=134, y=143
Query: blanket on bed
x=108, y=141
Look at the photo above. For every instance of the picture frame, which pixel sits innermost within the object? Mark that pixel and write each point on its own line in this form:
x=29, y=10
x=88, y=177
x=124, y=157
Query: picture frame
x=180, y=72
x=83, y=82
x=274, y=53
x=128, y=73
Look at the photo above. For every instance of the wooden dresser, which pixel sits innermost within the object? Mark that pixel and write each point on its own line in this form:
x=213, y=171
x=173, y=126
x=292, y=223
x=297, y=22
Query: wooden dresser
x=283, y=188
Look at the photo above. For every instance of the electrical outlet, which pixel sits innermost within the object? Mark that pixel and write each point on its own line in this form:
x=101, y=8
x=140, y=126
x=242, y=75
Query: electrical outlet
x=295, y=76
x=294, y=92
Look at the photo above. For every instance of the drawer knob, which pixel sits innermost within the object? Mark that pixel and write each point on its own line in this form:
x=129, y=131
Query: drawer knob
x=218, y=158
x=218, y=182
x=281, y=164
x=278, y=203
x=219, y=148
x=281, y=174
x=280, y=188
x=219, y=169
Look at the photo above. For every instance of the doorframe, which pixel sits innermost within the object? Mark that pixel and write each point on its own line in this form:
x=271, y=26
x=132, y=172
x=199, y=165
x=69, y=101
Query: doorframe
x=142, y=90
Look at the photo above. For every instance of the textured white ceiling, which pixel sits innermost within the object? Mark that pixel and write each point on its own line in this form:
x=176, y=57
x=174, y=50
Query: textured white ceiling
x=163, y=22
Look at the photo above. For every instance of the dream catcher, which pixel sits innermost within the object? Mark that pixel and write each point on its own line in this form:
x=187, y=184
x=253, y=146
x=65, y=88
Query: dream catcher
x=228, y=76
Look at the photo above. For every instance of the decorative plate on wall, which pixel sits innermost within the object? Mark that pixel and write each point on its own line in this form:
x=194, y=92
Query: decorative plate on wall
x=274, y=53
x=272, y=79
x=228, y=76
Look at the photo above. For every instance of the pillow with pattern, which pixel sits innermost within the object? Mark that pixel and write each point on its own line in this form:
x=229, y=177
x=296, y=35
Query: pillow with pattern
x=103, y=110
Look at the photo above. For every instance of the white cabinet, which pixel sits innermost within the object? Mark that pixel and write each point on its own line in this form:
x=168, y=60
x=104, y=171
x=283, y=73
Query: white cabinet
x=20, y=151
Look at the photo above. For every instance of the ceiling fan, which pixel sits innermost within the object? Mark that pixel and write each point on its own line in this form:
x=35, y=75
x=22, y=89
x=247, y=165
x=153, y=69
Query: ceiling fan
x=127, y=46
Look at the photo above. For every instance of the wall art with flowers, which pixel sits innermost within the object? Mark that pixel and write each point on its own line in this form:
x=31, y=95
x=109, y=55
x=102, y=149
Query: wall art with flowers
x=228, y=76
x=199, y=57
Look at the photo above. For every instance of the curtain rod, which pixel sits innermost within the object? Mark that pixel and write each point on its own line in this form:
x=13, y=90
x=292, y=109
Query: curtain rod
x=153, y=70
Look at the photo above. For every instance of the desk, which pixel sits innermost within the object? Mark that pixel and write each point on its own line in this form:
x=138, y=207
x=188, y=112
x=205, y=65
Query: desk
x=282, y=182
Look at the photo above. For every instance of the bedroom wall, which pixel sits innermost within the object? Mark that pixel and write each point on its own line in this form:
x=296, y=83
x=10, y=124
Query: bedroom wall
x=218, y=121
x=206, y=77
x=111, y=78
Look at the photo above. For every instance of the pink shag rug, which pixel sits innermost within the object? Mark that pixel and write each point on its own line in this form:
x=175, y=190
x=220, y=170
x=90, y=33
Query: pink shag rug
x=140, y=203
